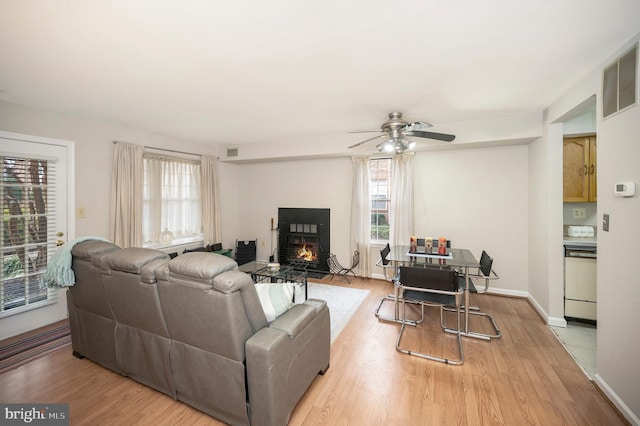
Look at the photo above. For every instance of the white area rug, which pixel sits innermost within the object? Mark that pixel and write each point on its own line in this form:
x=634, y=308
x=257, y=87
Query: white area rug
x=342, y=302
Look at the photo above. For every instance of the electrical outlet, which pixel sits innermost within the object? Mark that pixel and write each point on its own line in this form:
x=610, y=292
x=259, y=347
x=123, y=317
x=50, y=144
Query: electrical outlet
x=579, y=213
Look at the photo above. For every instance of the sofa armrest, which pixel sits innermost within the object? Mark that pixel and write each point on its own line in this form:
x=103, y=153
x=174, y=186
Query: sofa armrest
x=289, y=324
x=283, y=360
x=294, y=319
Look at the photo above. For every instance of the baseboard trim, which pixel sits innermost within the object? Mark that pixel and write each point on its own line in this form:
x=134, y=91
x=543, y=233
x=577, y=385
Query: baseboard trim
x=508, y=292
x=615, y=400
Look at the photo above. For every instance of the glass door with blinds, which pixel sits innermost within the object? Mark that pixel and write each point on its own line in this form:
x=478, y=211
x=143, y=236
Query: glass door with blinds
x=34, y=206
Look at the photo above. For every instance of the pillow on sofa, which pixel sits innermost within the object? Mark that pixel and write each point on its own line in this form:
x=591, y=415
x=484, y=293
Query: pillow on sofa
x=275, y=298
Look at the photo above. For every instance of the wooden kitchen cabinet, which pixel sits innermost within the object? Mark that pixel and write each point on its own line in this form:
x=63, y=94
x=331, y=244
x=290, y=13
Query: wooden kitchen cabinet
x=579, y=169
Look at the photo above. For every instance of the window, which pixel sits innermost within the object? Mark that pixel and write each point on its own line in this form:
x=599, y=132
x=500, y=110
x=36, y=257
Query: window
x=28, y=216
x=380, y=190
x=171, y=201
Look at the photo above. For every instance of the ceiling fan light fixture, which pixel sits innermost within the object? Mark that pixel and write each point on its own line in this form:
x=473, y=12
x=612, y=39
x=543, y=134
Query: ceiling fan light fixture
x=387, y=146
x=395, y=145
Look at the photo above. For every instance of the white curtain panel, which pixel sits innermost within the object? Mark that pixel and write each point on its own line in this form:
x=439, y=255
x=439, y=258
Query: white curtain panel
x=210, y=202
x=361, y=214
x=172, y=198
x=152, y=200
x=401, y=211
x=126, y=195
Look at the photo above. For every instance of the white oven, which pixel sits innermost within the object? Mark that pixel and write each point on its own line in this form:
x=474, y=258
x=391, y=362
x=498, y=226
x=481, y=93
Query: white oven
x=580, y=284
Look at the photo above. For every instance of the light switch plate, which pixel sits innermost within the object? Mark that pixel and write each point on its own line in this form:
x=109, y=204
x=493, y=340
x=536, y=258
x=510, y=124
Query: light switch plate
x=605, y=222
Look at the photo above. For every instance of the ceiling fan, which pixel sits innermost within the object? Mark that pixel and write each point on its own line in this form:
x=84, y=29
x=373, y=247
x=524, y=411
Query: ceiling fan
x=395, y=131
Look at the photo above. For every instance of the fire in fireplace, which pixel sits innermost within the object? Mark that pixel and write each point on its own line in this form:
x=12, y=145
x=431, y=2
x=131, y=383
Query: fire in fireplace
x=304, y=237
x=307, y=254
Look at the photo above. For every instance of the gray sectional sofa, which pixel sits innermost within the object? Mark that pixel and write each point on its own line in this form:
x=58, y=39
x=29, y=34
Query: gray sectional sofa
x=193, y=328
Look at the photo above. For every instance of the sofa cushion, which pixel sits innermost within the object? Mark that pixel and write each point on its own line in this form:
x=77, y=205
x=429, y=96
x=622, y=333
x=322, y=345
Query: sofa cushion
x=132, y=259
x=201, y=266
x=275, y=298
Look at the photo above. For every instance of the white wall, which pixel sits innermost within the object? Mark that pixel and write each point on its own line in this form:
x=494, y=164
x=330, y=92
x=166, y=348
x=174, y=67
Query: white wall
x=618, y=371
x=538, y=226
x=230, y=195
x=318, y=183
x=618, y=253
x=478, y=199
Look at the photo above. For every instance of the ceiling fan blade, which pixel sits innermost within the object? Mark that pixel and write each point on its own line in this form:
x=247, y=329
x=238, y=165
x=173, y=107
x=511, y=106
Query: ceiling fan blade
x=367, y=140
x=417, y=125
x=432, y=135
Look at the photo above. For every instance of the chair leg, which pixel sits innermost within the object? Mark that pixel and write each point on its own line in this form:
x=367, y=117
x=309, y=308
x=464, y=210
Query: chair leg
x=340, y=274
x=396, y=317
x=458, y=361
x=474, y=310
x=396, y=298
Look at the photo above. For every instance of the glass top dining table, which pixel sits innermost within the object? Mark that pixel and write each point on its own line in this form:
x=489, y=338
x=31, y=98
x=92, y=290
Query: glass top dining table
x=456, y=257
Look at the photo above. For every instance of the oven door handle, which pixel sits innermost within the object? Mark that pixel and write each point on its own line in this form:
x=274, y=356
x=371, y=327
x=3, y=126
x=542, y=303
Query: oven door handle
x=582, y=254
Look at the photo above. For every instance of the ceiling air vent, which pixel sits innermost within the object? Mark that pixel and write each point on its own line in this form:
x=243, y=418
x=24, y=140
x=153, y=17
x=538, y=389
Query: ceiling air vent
x=232, y=152
x=619, y=83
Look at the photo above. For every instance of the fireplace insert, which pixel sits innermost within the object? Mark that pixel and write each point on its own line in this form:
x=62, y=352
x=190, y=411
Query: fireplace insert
x=304, y=238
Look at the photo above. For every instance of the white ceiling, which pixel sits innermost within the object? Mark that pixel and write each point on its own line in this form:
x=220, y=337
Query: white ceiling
x=239, y=72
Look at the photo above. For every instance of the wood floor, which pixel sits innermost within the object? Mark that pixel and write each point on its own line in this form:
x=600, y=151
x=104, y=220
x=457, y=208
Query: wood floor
x=526, y=377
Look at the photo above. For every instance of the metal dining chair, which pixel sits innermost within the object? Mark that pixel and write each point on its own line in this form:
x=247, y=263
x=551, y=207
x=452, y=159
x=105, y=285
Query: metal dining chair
x=391, y=274
x=387, y=266
x=486, y=273
x=431, y=286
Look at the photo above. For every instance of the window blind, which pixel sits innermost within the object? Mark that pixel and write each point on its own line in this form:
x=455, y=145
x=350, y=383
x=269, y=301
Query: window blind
x=28, y=232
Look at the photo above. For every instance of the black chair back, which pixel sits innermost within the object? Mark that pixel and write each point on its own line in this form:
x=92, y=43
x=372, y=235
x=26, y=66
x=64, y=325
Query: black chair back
x=384, y=253
x=429, y=278
x=486, y=262
x=246, y=251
